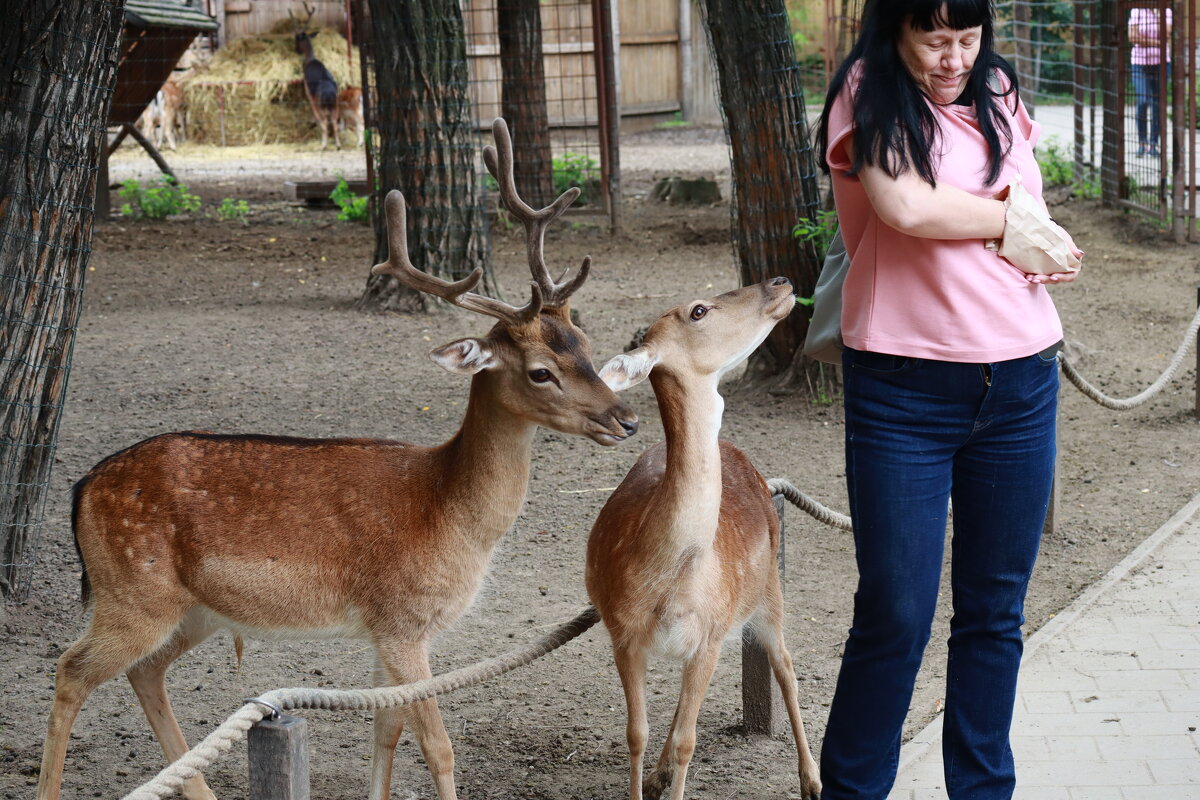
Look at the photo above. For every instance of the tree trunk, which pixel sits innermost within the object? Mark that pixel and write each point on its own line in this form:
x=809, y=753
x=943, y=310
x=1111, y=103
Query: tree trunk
x=428, y=147
x=773, y=171
x=523, y=99
x=58, y=62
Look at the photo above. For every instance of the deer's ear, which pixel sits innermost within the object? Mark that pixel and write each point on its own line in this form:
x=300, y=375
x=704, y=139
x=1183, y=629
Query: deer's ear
x=629, y=369
x=465, y=356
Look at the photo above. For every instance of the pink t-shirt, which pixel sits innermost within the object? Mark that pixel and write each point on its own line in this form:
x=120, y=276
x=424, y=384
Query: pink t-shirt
x=949, y=300
x=1145, y=22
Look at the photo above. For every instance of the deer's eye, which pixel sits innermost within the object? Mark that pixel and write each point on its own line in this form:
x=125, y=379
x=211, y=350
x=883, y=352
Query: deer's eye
x=540, y=376
x=698, y=312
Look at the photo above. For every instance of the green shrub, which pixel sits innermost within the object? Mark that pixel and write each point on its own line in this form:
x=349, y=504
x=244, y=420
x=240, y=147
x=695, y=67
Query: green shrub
x=231, y=210
x=159, y=200
x=676, y=121
x=819, y=231
x=352, y=207
x=1057, y=169
x=576, y=169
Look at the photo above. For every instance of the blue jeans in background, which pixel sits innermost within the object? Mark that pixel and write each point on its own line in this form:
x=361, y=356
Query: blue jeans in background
x=919, y=434
x=1146, y=86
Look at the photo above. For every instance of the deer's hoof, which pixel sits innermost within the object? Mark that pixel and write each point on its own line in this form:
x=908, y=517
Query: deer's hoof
x=655, y=784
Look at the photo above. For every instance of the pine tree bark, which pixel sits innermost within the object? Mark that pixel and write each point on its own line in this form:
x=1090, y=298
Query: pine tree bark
x=58, y=61
x=523, y=98
x=428, y=146
x=774, y=170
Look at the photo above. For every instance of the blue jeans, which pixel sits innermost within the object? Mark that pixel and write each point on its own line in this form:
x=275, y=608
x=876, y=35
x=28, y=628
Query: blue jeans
x=1146, y=85
x=920, y=433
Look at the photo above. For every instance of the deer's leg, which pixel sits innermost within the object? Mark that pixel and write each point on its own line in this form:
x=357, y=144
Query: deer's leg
x=388, y=725
x=116, y=638
x=631, y=666
x=770, y=632
x=664, y=770
x=168, y=126
x=405, y=663
x=697, y=673
x=148, y=678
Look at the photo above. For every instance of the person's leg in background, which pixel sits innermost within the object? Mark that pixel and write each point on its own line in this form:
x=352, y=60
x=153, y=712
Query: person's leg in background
x=1002, y=484
x=1154, y=81
x=1141, y=98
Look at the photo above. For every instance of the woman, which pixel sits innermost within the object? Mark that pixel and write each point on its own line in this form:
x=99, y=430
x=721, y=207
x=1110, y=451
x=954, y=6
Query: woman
x=1149, y=41
x=950, y=384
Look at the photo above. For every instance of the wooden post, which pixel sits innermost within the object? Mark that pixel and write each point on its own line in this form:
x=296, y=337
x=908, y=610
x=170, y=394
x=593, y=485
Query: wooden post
x=150, y=149
x=763, y=711
x=278, y=751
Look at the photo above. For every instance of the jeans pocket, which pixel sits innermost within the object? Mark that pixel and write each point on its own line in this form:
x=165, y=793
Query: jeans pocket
x=877, y=363
x=1050, y=354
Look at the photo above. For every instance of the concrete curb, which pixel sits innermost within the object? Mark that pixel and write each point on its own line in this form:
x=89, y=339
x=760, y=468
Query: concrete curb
x=931, y=734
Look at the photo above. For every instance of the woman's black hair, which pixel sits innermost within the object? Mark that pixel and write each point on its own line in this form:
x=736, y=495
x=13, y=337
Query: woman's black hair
x=894, y=128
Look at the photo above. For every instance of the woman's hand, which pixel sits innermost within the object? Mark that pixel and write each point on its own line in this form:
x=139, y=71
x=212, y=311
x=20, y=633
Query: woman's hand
x=1032, y=241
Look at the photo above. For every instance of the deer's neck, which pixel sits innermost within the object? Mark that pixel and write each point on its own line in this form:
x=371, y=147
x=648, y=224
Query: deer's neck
x=485, y=466
x=306, y=50
x=690, y=493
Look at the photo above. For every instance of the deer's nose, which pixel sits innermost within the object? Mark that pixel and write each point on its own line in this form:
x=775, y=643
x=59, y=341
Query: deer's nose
x=780, y=281
x=630, y=426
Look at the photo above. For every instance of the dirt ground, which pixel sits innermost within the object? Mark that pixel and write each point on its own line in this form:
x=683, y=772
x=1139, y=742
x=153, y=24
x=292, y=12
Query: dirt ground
x=193, y=323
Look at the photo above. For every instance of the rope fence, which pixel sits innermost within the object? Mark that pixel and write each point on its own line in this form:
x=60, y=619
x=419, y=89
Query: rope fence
x=233, y=729
x=761, y=704
x=1124, y=404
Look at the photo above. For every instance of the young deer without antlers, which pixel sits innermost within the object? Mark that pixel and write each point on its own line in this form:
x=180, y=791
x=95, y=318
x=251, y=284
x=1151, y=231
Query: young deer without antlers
x=319, y=85
x=187, y=533
x=684, y=549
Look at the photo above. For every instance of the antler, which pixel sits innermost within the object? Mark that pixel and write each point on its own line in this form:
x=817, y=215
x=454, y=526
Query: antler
x=499, y=161
x=457, y=293
x=297, y=25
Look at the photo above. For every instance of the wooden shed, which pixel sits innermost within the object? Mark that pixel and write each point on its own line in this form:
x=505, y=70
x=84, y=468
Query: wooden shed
x=156, y=34
x=661, y=54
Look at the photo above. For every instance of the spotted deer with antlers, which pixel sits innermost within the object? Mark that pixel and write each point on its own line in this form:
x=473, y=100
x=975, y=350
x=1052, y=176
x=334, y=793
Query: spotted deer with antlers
x=683, y=552
x=187, y=533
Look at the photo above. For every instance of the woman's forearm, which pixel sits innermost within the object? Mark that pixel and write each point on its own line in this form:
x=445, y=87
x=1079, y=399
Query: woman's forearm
x=911, y=206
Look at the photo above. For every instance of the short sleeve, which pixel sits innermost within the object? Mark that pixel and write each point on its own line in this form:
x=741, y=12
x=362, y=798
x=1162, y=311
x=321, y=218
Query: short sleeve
x=841, y=123
x=1023, y=124
x=1026, y=126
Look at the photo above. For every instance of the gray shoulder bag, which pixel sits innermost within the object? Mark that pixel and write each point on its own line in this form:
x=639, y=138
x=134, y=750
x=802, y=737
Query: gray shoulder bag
x=824, y=339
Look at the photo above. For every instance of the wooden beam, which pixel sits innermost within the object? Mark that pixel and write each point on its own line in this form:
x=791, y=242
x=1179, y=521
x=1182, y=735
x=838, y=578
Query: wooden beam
x=763, y=711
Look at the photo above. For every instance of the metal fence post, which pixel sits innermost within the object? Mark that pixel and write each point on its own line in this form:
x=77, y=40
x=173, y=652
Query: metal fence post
x=278, y=751
x=763, y=711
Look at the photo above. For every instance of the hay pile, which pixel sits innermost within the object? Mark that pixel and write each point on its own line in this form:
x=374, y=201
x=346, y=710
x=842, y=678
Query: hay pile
x=259, y=80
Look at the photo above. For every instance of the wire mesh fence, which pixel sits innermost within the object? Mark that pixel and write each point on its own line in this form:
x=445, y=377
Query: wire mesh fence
x=219, y=99
x=1113, y=85
x=55, y=69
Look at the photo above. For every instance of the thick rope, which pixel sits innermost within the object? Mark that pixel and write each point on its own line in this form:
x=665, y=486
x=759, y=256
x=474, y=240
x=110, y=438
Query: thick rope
x=1119, y=404
x=805, y=503
x=233, y=729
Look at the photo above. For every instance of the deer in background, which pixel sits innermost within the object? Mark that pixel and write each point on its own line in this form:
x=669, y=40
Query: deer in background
x=350, y=110
x=187, y=533
x=165, y=111
x=319, y=85
x=684, y=549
